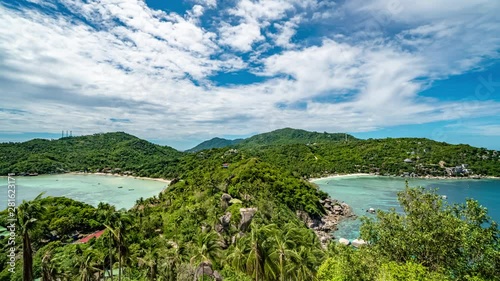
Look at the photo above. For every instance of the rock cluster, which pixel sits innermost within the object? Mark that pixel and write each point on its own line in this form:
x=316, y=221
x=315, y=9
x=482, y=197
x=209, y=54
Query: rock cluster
x=205, y=269
x=325, y=225
x=246, y=217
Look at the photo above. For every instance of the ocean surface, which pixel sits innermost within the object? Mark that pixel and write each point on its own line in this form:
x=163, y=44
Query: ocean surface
x=90, y=189
x=364, y=192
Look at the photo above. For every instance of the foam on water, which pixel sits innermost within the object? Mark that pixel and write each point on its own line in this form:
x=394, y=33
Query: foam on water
x=90, y=189
x=364, y=192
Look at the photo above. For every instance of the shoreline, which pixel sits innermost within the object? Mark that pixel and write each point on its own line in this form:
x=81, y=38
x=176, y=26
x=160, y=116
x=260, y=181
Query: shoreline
x=428, y=177
x=342, y=176
x=118, y=175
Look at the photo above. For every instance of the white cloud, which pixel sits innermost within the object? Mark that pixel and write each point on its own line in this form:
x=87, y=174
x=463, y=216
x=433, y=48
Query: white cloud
x=153, y=68
x=207, y=3
x=240, y=37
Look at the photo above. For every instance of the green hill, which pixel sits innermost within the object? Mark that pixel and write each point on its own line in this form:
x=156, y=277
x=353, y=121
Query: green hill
x=293, y=136
x=214, y=143
x=305, y=154
x=99, y=152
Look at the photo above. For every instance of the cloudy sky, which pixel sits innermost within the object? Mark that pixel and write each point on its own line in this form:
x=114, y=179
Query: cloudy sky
x=179, y=72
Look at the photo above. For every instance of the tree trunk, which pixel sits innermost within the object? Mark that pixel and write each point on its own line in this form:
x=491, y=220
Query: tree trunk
x=27, y=258
x=119, y=261
x=110, y=256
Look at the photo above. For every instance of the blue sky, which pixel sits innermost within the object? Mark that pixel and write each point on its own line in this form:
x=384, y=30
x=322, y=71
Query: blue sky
x=180, y=72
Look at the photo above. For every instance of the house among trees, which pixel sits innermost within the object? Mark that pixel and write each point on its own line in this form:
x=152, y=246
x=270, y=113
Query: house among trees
x=458, y=170
x=90, y=236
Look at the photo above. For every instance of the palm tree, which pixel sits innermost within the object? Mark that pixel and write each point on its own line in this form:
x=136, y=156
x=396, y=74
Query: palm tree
x=48, y=268
x=86, y=268
x=150, y=260
x=237, y=257
x=282, y=253
x=118, y=233
x=208, y=248
x=110, y=215
x=27, y=215
x=305, y=263
x=257, y=262
x=174, y=256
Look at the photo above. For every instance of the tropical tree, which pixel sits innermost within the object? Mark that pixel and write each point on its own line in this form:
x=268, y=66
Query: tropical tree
x=27, y=215
x=258, y=263
x=208, y=248
x=109, y=215
x=118, y=229
x=460, y=239
x=150, y=261
x=48, y=269
x=236, y=259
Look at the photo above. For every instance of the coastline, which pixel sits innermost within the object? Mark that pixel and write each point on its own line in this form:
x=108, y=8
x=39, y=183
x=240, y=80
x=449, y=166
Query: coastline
x=342, y=176
x=118, y=175
x=428, y=177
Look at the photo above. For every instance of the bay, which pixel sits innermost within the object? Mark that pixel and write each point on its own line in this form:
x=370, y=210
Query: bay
x=121, y=192
x=364, y=192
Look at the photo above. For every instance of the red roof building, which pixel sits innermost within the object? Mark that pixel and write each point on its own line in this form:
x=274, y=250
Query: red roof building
x=90, y=236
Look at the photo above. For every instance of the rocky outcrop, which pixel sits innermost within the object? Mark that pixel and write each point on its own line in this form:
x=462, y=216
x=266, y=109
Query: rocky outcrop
x=246, y=218
x=225, y=220
x=323, y=226
x=205, y=269
x=358, y=242
x=225, y=198
x=344, y=241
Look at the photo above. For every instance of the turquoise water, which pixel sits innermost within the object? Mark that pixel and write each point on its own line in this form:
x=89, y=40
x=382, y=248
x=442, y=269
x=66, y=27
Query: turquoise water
x=364, y=192
x=90, y=189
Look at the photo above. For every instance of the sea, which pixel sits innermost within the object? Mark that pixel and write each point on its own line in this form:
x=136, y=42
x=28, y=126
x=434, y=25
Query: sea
x=122, y=192
x=378, y=192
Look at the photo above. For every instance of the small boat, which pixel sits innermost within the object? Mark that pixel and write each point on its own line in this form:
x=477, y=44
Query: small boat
x=120, y=187
x=444, y=197
x=130, y=189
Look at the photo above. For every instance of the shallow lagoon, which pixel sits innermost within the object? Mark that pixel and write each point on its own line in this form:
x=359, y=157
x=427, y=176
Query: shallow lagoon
x=90, y=189
x=364, y=192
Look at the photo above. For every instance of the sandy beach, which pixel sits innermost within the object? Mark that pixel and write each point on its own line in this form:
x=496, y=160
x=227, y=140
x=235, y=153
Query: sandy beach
x=419, y=177
x=126, y=176
x=343, y=176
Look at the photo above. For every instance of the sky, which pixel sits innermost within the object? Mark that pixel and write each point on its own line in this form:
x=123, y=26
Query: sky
x=180, y=72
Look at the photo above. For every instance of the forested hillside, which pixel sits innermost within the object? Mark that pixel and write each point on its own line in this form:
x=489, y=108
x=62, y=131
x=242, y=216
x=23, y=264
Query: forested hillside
x=119, y=152
x=239, y=224
x=305, y=154
x=292, y=136
x=214, y=143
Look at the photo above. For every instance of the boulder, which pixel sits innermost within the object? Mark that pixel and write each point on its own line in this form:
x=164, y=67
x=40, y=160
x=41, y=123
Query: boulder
x=346, y=210
x=205, y=268
x=217, y=276
x=225, y=220
x=337, y=210
x=219, y=228
x=246, y=217
x=358, y=242
x=226, y=197
x=344, y=241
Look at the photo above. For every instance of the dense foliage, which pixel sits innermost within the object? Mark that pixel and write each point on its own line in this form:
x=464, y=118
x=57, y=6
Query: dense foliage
x=118, y=152
x=381, y=156
x=292, y=136
x=214, y=143
x=232, y=212
x=305, y=154
x=168, y=237
x=429, y=241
